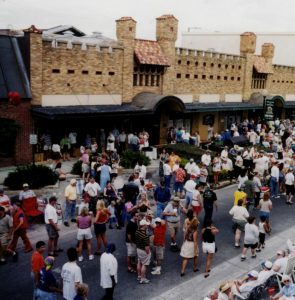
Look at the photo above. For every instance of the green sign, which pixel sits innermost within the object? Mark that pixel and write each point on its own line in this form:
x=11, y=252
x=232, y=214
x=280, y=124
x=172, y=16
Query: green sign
x=269, y=109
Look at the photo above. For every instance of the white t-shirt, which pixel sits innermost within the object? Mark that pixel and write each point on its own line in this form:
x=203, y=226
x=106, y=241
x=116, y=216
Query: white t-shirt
x=50, y=213
x=92, y=189
x=206, y=159
x=71, y=275
x=167, y=170
x=108, y=268
x=190, y=186
x=289, y=179
x=73, y=137
x=282, y=263
x=239, y=213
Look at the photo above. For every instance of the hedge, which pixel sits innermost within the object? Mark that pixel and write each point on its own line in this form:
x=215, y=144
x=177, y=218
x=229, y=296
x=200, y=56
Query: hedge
x=129, y=159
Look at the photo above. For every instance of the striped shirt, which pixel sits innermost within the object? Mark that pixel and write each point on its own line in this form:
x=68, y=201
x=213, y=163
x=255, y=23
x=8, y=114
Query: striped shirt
x=141, y=239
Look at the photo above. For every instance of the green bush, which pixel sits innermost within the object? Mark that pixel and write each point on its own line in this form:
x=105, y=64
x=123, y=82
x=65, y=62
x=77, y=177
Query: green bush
x=77, y=168
x=129, y=159
x=186, y=151
x=35, y=175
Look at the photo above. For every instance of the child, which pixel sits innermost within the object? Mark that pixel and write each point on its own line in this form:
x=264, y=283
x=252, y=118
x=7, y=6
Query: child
x=82, y=291
x=264, y=227
x=112, y=219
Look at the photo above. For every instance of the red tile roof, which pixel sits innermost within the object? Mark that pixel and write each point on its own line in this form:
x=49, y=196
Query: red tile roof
x=261, y=66
x=150, y=53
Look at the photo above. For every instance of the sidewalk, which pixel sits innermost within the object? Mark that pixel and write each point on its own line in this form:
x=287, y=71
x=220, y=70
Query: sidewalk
x=198, y=287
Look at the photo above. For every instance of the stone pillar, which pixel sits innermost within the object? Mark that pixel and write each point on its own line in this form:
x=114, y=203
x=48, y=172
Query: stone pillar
x=126, y=32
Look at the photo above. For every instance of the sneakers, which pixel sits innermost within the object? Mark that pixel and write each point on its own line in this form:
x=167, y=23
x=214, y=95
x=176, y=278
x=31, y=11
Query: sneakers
x=156, y=271
x=80, y=258
x=66, y=224
x=243, y=258
x=144, y=281
x=91, y=257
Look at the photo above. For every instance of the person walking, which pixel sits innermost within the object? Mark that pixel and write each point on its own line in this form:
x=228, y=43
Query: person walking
x=108, y=271
x=208, y=245
x=274, y=180
x=189, y=188
x=265, y=206
x=250, y=238
x=6, y=227
x=209, y=202
x=189, y=248
x=249, y=189
x=289, y=183
x=162, y=196
x=130, y=241
x=240, y=215
x=71, y=275
x=102, y=217
x=20, y=226
x=84, y=232
x=71, y=197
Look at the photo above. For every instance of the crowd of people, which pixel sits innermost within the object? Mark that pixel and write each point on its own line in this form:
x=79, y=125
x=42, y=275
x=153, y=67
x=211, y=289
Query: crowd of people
x=264, y=171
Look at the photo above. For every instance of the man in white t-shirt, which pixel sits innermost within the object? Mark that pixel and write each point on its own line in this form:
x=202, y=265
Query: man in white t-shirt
x=280, y=264
x=108, y=271
x=93, y=189
x=189, y=188
x=206, y=158
x=71, y=275
x=73, y=141
x=52, y=229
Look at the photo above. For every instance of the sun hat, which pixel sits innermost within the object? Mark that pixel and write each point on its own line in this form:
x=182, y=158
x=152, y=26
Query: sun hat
x=224, y=287
x=267, y=264
x=253, y=274
x=144, y=222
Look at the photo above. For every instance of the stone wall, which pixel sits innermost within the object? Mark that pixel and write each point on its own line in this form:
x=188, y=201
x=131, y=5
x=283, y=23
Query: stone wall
x=282, y=81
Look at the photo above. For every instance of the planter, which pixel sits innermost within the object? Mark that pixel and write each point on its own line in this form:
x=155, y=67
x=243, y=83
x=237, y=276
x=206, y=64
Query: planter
x=39, y=157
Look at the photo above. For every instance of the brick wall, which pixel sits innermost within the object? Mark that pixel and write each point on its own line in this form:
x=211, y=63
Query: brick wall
x=21, y=114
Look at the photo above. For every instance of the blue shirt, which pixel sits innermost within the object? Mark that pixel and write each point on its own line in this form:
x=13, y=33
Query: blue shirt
x=46, y=280
x=289, y=290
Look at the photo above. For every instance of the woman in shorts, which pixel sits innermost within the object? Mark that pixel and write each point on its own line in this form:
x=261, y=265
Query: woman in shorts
x=251, y=238
x=216, y=168
x=208, y=236
x=289, y=184
x=102, y=217
x=84, y=232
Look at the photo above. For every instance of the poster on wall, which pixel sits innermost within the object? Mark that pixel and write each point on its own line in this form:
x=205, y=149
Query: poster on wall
x=268, y=109
x=208, y=120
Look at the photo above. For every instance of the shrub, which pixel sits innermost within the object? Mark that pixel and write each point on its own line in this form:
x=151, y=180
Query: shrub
x=77, y=168
x=35, y=175
x=130, y=158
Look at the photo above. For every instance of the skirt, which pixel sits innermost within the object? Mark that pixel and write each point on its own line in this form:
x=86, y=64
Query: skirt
x=188, y=250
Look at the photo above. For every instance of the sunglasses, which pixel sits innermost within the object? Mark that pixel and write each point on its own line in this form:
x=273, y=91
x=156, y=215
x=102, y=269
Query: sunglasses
x=286, y=281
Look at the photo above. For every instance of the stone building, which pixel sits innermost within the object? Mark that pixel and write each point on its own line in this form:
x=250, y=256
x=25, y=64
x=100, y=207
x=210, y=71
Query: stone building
x=84, y=83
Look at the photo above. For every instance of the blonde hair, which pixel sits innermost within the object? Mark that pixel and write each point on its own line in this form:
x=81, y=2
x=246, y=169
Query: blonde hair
x=100, y=206
x=84, y=212
x=82, y=289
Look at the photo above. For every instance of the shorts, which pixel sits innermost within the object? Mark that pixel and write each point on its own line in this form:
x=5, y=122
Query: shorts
x=99, y=228
x=252, y=246
x=239, y=224
x=4, y=239
x=46, y=147
x=143, y=257
x=131, y=249
x=52, y=233
x=208, y=247
x=178, y=186
x=196, y=209
x=84, y=234
x=159, y=252
x=290, y=189
x=173, y=227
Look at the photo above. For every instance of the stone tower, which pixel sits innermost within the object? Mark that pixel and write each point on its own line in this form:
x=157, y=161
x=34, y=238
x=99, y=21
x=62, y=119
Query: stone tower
x=167, y=28
x=33, y=37
x=126, y=32
x=247, y=50
x=267, y=51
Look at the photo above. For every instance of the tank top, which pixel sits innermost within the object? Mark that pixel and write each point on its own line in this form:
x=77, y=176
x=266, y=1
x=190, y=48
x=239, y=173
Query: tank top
x=208, y=236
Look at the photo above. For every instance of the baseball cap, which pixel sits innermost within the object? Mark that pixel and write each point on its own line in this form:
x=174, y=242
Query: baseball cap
x=191, y=160
x=158, y=220
x=144, y=222
x=267, y=264
x=253, y=273
x=25, y=185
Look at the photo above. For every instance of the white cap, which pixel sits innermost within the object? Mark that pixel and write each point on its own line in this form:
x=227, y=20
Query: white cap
x=159, y=220
x=253, y=273
x=144, y=222
x=267, y=264
x=73, y=181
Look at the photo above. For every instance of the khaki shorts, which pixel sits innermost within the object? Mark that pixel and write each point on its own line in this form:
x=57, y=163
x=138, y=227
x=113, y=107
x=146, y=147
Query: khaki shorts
x=131, y=249
x=143, y=257
x=173, y=227
x=159, y=252
x=84, y=234
x=4, y=239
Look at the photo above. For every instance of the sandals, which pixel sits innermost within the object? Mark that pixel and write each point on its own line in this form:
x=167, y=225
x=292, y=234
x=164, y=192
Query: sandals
x=130, y=270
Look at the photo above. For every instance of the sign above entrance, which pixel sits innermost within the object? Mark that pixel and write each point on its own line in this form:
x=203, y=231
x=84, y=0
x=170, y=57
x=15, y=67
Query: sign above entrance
x=269, y=109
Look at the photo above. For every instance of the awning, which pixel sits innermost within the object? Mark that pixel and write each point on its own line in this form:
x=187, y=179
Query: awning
x=150, y=53
x=261, y=66
x=220, y=106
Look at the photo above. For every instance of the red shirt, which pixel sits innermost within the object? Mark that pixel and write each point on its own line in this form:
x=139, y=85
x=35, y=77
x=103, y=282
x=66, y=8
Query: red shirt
x=19, y=214
x=102, y=217
x=37, y=262
x=180, y=175
x=159, y=235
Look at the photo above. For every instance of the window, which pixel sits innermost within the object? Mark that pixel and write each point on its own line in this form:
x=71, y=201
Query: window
x=98, y=72
x=225, y=77
x=196, y=63
x=226, y=66
x=187, y=76
x=71, y=71
x=203, y=76
x=146, y=75
x=258, y=80
x=188, y=62
x=218, y=77
x=111, y=73
x=239, y=78
x=204, y=64
x=212, y=65
x=232, y=78
x=56, y=71
x=219, y=65
x=196, y=76
x=273, y=81
x=178, y=75
x=283, y=81
x=179, y=62
x=211, y=77
x=239, y=67
x=233, y=66
x=85, y=72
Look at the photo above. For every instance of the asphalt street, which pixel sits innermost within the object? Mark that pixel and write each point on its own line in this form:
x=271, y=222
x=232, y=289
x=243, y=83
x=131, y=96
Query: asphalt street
x=16, y=282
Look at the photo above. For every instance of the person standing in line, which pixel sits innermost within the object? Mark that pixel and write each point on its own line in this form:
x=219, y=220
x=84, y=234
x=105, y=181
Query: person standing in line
x=71, y=275
x=250, y=238
x=93, y=189
x=289, y=183
x=108, y=271
x=208, y=245
x=274, y=180
x=52, y=228
x=143, y=251
x=19, y=230
x=209, y=202
x=71, y=197
x=37, y=263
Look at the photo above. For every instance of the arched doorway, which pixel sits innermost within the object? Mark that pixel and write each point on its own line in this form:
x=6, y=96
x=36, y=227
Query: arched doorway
x=279, y=103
